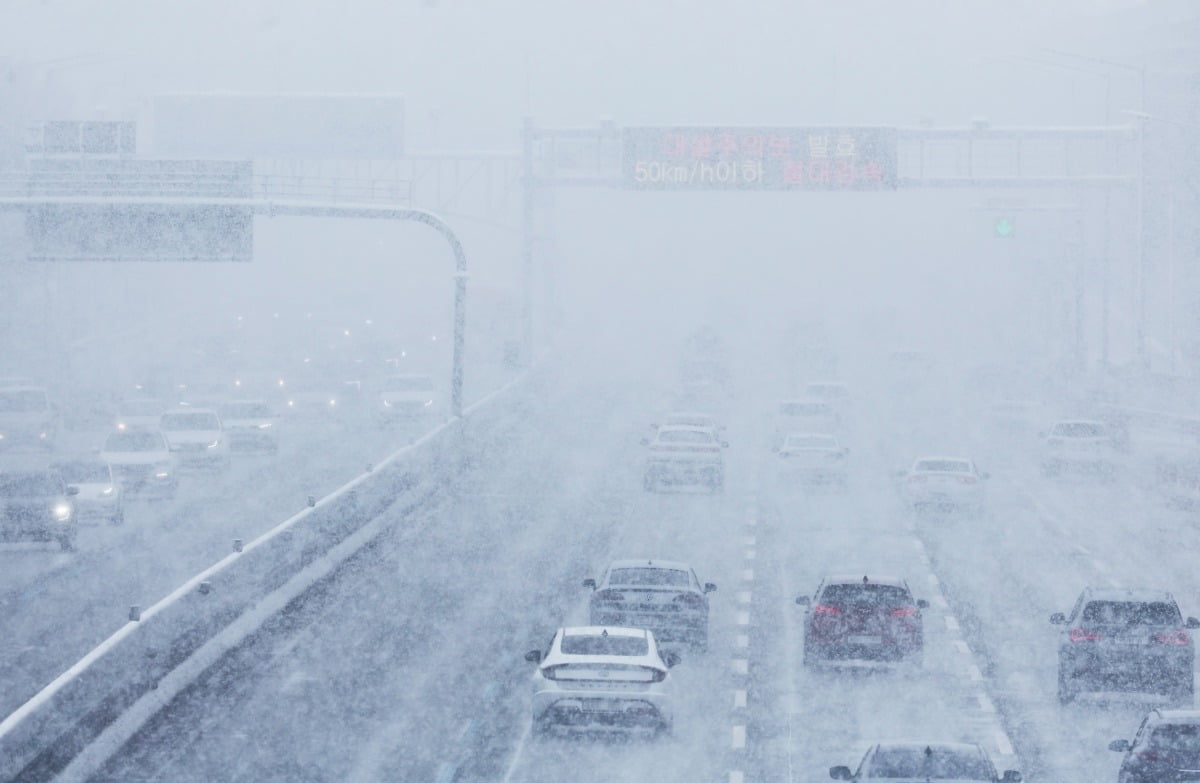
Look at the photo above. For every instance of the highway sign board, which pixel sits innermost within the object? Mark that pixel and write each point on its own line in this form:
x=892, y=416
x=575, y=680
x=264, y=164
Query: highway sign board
x=764, y=158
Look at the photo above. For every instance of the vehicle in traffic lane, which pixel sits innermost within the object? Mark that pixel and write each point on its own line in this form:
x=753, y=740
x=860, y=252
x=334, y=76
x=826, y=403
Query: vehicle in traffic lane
x=141, y=462
x=813, y=458
x=664, y=596
x=926, y=761
x=99, y=496
x=944, y=484
x=803, y=416
x=602, y=677
x=408, y=396
x=868, y=618
x=684, y=456
x=1125, y=640
x=250, y=425
x=1166, y=747
x=1079, y=446
x=196, y=437
x=140, y=413
x=27, y=417
x=37, y=505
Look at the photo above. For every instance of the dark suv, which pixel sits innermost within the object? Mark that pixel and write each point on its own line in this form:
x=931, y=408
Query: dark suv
x=1166, y=747
x=872, y=618
x=1125, y=640
x=37, y=505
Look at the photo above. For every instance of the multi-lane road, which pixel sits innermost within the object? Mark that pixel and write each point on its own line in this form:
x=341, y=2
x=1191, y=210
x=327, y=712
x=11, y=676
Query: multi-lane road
x=409, y=664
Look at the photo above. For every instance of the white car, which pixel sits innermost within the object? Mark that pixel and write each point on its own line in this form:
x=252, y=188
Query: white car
x=813, y=458
x=685, y=456
x=250, y=425
x=1079, y=445
x=664, y=596
x=140, y=414
x=602, y=677
x=408, y=396
x=141, y=463
x=804, y=416
x=27, y=417
x=689, y=419
x=196, y=437
x=836, y=394
x=944, y=483
x=99, y=495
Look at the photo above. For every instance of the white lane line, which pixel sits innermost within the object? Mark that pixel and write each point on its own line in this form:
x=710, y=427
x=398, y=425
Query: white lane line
x=940, y=602
x=740, y=666
x=748, y=574
x=739, y=737
x=917, y=545
x=750, y=541
x=985, y=703
x=751, y=520
x=1083, y=550
x=962, y=647
x=744, y=597
x=743, y=618
x=1102, y=566
x=1002, y=744
x=933, y=580
x=951, y=622
x=749, y=554
x=974, y=673
x=517, y=754
x=739, y=700
x=735, y=776
x=742, y=640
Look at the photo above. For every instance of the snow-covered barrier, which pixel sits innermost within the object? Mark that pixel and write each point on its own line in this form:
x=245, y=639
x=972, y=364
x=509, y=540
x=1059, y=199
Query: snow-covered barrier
x=116, y=687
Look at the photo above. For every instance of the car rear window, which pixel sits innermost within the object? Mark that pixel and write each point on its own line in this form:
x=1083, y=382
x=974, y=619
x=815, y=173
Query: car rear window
x=865, y=594
x=1131, y=613
x=685, y=436
x=929, y=764
x=943, y=466
x=1179, y=736
x=600, y=644
x=671, y=577
x=189, y=421
x=811, y=442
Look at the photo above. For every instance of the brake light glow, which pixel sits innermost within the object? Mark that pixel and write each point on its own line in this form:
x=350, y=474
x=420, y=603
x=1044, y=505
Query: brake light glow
x=1179, y=638
x=1082, y=635
x=826, y=609
x=905, y=611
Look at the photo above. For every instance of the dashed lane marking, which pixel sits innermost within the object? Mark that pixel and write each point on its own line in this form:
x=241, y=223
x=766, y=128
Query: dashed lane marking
x=962, y=647
x=743, y=618
x=742, y=640
x=749, y=554
x=735, y=776
x=951, y=622
x=940, y=602
x=744, y=597
x=748, y=574
x=1002, y=744
x=985, y=703
x=751, y=541
x=739, y=700
x=933, y=580
x=740, y=666
x=739, y=737
x=974, y=673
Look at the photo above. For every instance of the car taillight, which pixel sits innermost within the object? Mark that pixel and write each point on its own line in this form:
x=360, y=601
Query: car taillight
x=1179, y=638
x=550, y=672
x=905, y=611
x=826, y=609
x=609, y=595
x=1082, y=635
x=659, y=675
x=1151, y=755
x=689, y=599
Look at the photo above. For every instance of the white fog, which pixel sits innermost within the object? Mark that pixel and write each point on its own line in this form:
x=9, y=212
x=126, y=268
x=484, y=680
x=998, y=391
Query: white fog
x=427, y=390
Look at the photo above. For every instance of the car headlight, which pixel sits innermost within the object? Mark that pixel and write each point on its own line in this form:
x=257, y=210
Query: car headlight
x=266, y=425
x=62, y=511
x=428, y=403
x=162, y=471
x=387, y=404
x=107, y=491
x=214, y=444
x=332, y=403
x=291, y=403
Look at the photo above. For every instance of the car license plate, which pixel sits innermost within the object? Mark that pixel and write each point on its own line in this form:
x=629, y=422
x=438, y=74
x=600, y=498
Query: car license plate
x=863, y=639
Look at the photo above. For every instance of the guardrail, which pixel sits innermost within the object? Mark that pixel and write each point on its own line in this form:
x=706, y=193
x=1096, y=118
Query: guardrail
x=113, y=689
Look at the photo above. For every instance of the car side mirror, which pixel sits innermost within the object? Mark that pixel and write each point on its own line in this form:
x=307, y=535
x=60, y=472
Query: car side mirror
x=839, y=773
x=1011, y=776
x=72, y=490
x=709, y=587
x=670, y=658
x=803, y=600
x=534, y=656
x=922, y=603
x=1192, y=622
x=1121, y=746
x=589, y=583
x=1058, y=618
x=724, y=444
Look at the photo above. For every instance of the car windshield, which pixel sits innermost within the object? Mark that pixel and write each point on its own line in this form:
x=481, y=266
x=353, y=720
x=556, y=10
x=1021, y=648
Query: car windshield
x=928, y=764
x=1131, y=613
x=83, y=472
x=685, y=436
x=134, y=441
x=1178, y=736
x=402, y=383
x=811, y=442
x=604, y=644
x=245, y=410
x=803, y=409
x=182, y=422
x=40, y=483
x=672, y=577
x=684, y=420
x=942, y=466
x=22, y=401
x=1079, y=429
x=873, y=595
